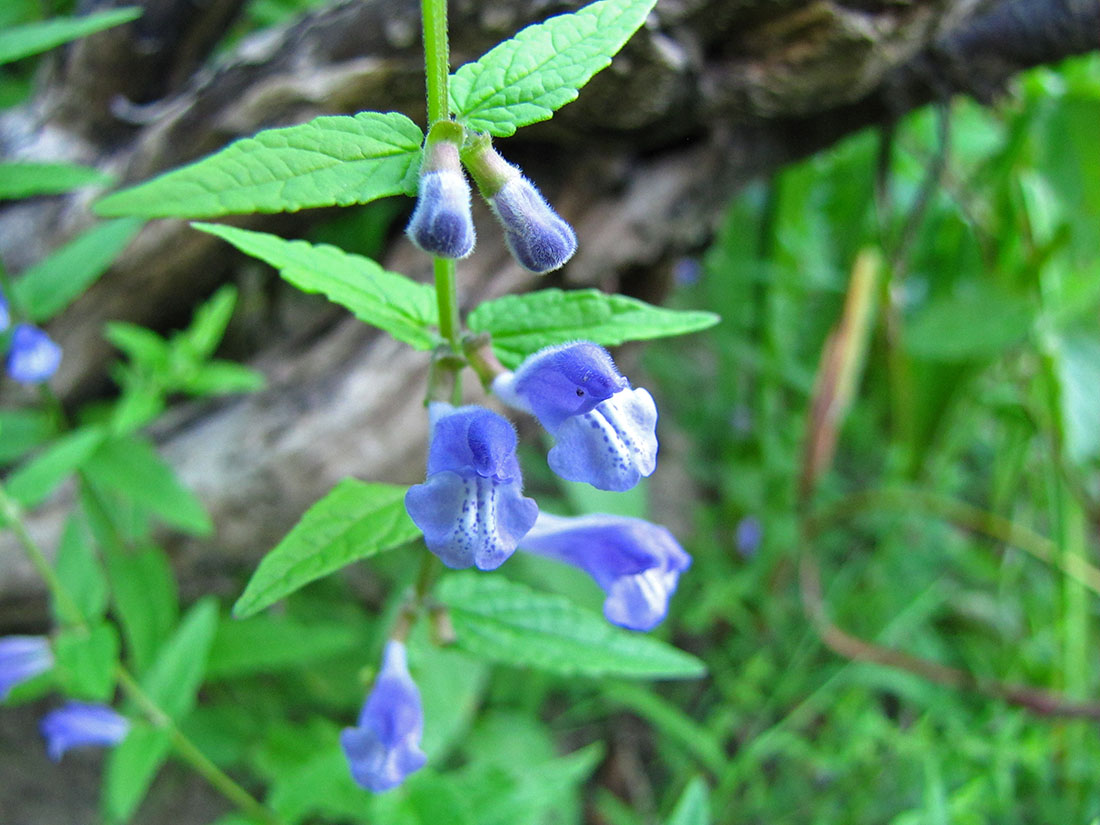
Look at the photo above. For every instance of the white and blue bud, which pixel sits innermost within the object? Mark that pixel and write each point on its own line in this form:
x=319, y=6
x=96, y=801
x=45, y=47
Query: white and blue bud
x=441, y=224
x=536, y=235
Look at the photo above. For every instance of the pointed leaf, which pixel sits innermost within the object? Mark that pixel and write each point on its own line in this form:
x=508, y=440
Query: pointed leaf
x=53, y=283
x=329, y=161
x=355, y=520
x=35, y=480
x=402, y=307
x=87, y=661
x=24, y=179
x=525, y=79
x=131, y=768
x=693, y=808
x=510, y=623
x=80, y=572
x=523, y=324
x=17, y=42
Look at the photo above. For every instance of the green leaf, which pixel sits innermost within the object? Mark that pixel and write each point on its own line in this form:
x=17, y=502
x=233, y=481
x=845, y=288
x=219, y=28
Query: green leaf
x=22, y=431
x=525, y=79
x=266, y=643
x=208, y=325
x=173, y=680
x=22, y=41
x=53, y=283
x=510, y=623
x=1077, y=365
x=523, y=324
x=330, y=161
x=145, y=599
x=402, y=307
x=354, y=521
x=223, y=378
x=130, y=465
x=33, y=482
x=973, y=325
x=143, y=346
x=80, y=572
x=24, y=180
x=87, y=661
x=693, y=808
x=131, y=767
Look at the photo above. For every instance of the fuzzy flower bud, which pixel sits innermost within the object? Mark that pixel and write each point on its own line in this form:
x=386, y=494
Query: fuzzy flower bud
x=537, y=237
x=441, y=223
x=33, y=356
x=384, y=747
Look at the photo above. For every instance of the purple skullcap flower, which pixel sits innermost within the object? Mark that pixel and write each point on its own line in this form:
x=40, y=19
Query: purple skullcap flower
x=606, y=431
x=536, y=235
x=471, y=507
x=5, y=314
x=441, y=224
x=638, y=564
x=22, y=658
x=385, y=746
x=78, y=724
x=33, y=356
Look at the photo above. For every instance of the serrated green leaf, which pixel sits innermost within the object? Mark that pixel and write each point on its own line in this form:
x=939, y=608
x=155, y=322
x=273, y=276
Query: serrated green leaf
x=24, y=180
x=525, y=79
x=330, y=161
x=173, y=680
x=693, y=807
x=510, y=623
x=34, y=481
x=80, y=572
x=53, y=283
x=130, y=465
x=131, y=767
x=355, y=520
x=523, y=324
x=87, y=661
x=399, y=305
x=266, y=643
x=22, y=41
x=23, y=430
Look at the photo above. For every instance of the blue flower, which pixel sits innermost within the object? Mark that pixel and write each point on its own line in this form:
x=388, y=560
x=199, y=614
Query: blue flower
x=385, y=747
x=638, y=564
x=22, y=658
x=471, y=507
x=748, y=535
x=78, y=724
x=441, y=223
x=606, y=432
x=33, y=356
x=5, y=314
x=536, y=235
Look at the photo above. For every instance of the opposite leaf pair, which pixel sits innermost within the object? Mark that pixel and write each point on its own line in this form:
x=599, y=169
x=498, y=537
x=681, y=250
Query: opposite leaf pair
x=442, y=223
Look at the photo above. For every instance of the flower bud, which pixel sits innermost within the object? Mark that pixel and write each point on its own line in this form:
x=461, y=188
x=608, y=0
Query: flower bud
x=537, y=237
x=78, y=725
x=441, y=223
x=5, y=314
x=22, y=658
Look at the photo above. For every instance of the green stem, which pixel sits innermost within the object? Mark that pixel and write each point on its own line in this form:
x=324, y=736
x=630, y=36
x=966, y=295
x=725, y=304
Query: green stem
x=436, y=56
x=446, y=296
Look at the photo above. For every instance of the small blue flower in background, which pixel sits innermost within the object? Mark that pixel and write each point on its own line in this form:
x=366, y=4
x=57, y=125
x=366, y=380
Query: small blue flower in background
x=385, y=746
x=638, y=564
x=748, y=535
x=536, y=235
x=22, y=658
x=441, y=224
x=5, y=314
x=606, y=432
x=471, y=507
x=33, y=356
x=78, y=724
